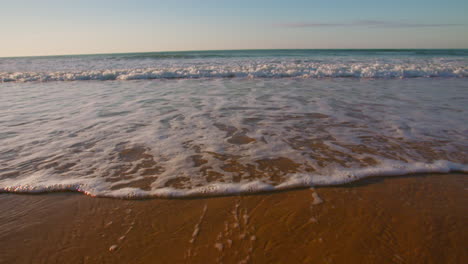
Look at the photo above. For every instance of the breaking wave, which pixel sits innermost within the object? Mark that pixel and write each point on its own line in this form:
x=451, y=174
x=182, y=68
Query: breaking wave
x=251, y=70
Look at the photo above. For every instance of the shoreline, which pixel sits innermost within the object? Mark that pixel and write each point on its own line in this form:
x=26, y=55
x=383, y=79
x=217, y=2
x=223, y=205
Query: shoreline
x=404, y=219
x=297, y=182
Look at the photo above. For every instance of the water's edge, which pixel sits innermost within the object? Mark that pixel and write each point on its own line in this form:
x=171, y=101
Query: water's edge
x=297, y=181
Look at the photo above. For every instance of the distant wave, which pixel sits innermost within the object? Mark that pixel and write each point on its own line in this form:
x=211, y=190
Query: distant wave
x=296, y=69
x=284, y=53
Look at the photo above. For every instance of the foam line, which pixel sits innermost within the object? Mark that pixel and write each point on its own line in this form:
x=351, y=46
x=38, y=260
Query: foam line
x=296, y=181
x=250, y=69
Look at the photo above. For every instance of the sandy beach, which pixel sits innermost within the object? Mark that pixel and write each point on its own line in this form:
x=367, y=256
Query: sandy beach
x=411, y=219
x=247, y=132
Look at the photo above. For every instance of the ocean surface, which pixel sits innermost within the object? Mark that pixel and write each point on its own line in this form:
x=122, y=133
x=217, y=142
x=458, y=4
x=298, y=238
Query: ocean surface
x=175, y=124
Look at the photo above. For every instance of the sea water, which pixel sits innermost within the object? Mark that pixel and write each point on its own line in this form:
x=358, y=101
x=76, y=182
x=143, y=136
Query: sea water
x=222, y=122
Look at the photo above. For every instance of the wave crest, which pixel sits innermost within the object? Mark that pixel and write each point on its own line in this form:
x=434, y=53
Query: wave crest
x=267, y=70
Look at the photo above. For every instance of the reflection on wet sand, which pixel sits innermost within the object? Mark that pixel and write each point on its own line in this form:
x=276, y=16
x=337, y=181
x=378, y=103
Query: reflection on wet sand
x=416, y=219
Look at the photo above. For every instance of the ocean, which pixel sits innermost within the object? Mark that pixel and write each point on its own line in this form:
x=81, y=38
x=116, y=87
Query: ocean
x=201, y=123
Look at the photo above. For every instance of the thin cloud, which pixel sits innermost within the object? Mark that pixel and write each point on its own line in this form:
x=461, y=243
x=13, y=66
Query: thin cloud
x=366, y=23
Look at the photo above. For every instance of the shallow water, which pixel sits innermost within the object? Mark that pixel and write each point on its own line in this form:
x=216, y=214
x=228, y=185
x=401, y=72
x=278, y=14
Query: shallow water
x=214, y=136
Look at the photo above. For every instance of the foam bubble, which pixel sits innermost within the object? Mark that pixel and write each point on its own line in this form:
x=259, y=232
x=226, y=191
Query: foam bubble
x=213, y=137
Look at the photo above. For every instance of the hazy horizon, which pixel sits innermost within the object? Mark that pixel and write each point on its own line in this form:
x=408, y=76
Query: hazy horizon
x=224, y=50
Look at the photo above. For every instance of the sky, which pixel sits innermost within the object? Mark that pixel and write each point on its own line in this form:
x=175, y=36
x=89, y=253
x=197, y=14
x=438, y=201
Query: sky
x=55, y=27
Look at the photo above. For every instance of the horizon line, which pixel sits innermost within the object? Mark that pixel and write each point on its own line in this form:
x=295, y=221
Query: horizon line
x=205, y=50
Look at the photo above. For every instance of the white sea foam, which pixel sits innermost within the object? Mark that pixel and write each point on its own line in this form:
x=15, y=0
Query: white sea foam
x=239, y=64
x=226, y=136
x=95, y=187
x=251, y=69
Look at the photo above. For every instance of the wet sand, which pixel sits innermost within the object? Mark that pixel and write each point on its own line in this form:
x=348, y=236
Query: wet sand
x=415, y=219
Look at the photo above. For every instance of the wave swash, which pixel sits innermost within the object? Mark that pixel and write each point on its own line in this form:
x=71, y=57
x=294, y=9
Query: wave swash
x=228, y=124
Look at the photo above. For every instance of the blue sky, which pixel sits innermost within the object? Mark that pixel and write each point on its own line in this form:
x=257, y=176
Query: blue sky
x=47, y=27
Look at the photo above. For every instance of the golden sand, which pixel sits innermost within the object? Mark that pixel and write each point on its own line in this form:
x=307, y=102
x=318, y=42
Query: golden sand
x=417, y=219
